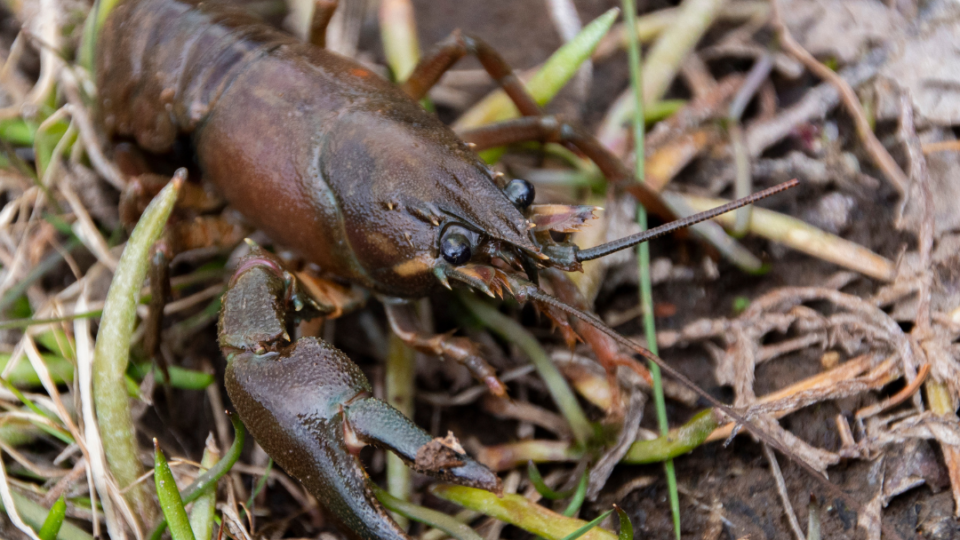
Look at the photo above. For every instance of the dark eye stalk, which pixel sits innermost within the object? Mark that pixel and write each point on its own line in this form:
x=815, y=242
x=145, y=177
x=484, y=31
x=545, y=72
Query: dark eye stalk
x=520, y=193
x=455, y=247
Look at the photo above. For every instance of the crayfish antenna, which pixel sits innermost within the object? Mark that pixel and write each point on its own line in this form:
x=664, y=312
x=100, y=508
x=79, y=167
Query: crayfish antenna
x=530, y=292
x=632, y=240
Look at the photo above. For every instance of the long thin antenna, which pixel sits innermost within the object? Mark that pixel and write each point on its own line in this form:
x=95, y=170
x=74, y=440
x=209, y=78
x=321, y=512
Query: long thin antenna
x=634, y=239
x=764, y=437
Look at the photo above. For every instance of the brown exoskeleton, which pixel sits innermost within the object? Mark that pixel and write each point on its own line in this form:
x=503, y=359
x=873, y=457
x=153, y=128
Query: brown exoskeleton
x=350, y=172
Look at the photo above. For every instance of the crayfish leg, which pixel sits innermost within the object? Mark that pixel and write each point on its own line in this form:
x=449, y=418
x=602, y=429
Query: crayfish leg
x=323, y=11
x=180, y=236
x=534, y=126
x=404, y=323
x=446, y=53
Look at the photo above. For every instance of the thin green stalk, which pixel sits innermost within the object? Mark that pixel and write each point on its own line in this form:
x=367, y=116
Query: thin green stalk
x=91, y=31
x=646, y=289
x=26, y=401
x=578, y=497
x=586, y=528
x=26, y=323
x=59, y=432
x=112, y=353
x=260, y=484
x=542, y=488
x=401, y=369
x=560, y=391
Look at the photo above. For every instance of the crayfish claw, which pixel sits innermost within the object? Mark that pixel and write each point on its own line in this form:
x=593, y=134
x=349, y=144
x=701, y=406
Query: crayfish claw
x=377, y=423
x=313, y=410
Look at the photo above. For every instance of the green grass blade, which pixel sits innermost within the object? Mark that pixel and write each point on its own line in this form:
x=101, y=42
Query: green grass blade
x=626, y=528
x=676, y=443
x=560, y=391
x=112, y=351
x=35, y=515
x=544, y=85
x=578, y=497
x=433, y=518
x=586, y=528
x=517, y=510
x=542, y=488
x=170, y=501
x=260, y=484
x=51, y=525
x=210, y=478
x=91, y=31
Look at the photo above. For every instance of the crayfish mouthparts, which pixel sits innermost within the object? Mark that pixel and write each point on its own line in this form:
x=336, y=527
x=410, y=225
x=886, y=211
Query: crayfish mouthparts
x=312, y=409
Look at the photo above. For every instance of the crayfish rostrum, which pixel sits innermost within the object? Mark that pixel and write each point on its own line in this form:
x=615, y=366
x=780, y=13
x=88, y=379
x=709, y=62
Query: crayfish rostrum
x=347, y=170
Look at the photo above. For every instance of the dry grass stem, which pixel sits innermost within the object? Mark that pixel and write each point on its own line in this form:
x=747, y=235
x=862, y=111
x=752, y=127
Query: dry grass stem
x=784, y=494
x=904, y=394
x=875, y=148
x=802, y=237
x=941, y=146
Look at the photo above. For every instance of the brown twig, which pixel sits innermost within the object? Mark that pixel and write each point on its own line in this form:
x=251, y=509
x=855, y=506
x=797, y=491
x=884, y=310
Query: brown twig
x=784, y=494
x=940, y=146
x=898, y=398
x=88, y=133
x=874, y=147
x=817, y=102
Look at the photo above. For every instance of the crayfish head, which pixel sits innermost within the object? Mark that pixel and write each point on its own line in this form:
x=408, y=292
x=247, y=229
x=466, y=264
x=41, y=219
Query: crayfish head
x=414, y=198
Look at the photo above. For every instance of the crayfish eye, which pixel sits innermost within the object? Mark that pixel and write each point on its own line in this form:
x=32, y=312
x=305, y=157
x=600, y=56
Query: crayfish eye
x=455, y=247
x=520, y=192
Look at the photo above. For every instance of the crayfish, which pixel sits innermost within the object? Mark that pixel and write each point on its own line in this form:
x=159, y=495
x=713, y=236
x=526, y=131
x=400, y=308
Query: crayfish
x=349, y=171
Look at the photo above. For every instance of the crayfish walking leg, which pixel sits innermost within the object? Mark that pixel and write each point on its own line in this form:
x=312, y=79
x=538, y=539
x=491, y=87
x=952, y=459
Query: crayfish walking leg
x=312, y=409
